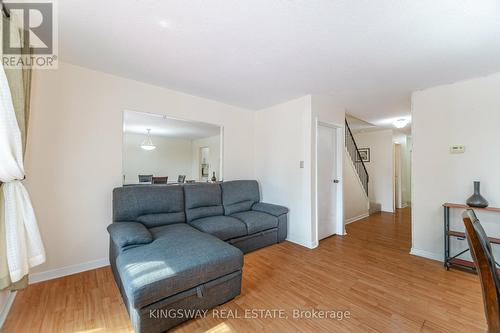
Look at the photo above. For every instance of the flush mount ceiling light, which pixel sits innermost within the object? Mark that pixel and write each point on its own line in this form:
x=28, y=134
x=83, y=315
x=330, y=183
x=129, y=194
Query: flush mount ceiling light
x=400, y=123
x=164, y=23
x=148, y=144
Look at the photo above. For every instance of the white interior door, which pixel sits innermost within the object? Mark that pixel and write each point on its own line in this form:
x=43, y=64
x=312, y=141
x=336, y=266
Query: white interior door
x=327, y=181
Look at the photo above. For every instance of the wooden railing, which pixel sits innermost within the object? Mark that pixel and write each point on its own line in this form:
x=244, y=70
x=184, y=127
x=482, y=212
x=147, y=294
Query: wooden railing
x=359, y=165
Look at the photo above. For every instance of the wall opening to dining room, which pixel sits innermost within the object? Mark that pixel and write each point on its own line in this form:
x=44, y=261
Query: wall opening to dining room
x=173, y=150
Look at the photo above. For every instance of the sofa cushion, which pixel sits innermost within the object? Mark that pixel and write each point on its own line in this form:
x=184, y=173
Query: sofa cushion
x=274, y=210
x=179, y=258
x=126, y=234
x=203, y=200
x=151, y=205
x=257, y=221
x=222, y=227
x=239, y=195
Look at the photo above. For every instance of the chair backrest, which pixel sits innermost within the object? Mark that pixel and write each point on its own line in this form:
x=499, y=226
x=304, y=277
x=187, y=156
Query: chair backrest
x=484, y=260
x=153, y=206
x=239, y=195
x=181, y=179
x=160, y=180
x=202, y=200
x=145, y=179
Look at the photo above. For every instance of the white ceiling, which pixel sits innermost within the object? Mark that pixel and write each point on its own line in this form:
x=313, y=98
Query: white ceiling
x=256, y=53
x=160, y=125
x=358, y=125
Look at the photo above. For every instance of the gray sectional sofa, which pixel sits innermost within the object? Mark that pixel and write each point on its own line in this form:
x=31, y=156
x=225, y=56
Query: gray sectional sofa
x=175, y=249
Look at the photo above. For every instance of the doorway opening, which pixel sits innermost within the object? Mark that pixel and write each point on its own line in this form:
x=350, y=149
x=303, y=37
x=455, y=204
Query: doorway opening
x=398, y=200
x=204, y=163
x=402, y=172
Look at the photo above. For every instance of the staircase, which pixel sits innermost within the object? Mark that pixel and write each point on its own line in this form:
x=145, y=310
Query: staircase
x=353, y=152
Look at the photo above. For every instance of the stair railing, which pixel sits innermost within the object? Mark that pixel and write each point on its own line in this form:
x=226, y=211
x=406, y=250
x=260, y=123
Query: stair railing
x=353, y=150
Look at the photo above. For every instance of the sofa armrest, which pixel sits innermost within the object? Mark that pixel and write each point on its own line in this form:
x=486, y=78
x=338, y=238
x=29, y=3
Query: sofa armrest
x=126, y=234
x=271, y=209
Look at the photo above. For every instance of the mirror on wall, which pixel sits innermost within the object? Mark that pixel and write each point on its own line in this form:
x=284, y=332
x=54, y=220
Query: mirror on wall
x=163, y=150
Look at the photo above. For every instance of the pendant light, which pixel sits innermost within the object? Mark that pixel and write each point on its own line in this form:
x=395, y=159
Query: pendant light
x=148, y=144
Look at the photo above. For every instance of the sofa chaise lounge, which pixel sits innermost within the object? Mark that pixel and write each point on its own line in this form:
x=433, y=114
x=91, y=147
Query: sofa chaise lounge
x=177, y=249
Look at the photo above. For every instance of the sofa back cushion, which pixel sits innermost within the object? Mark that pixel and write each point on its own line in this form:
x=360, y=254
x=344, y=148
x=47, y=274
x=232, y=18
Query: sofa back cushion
x=239, y=195
x=203, y=200
x=152, y=205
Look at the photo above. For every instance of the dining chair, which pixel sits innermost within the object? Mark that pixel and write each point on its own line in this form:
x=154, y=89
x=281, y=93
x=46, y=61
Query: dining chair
x=484, y=261
x=160, y=180
x=145, y=178
x=181, y=179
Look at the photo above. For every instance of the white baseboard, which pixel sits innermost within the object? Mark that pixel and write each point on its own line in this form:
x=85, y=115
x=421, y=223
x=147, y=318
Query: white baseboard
x=4, y=311
x=68, y=270
x=427, y=254
x=296, y=240
x=356, y=218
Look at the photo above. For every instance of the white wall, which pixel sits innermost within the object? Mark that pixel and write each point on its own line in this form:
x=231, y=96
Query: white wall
x=381, y=166
x=172, y=157
x=74, y=152
x=285, y=134
x=356, y=203
x=213, y=144
x=282, y=140
x=467, y=113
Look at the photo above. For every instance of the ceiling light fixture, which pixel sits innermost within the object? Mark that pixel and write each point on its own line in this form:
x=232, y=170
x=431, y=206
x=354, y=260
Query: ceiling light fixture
x=164, y=23
x=148, y=144
x=400, y=123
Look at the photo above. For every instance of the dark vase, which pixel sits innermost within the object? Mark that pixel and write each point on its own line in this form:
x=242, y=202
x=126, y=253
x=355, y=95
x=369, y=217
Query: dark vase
x=477, y=200
x=214, y=179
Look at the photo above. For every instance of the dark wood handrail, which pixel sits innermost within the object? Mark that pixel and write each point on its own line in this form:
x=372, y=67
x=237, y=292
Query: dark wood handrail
x=356, y=159
x=5, y=10
x=355, y=145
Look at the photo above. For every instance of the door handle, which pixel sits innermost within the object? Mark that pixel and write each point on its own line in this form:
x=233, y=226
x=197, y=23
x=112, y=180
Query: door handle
x=336, y=181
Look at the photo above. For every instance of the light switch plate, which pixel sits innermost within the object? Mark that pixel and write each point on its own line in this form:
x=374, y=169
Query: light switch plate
x=457, y=149
x=301, y=164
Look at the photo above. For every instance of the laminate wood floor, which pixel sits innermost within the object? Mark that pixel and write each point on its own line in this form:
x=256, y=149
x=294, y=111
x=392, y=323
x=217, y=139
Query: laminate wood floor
x=368, y=273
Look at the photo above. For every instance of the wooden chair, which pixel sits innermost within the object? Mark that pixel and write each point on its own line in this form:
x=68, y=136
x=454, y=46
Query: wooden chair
x=160, y=180
x=484, y=260
x=145, y=178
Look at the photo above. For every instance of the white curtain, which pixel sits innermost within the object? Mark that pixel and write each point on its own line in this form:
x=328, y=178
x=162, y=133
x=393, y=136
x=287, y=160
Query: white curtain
x=23, y=244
